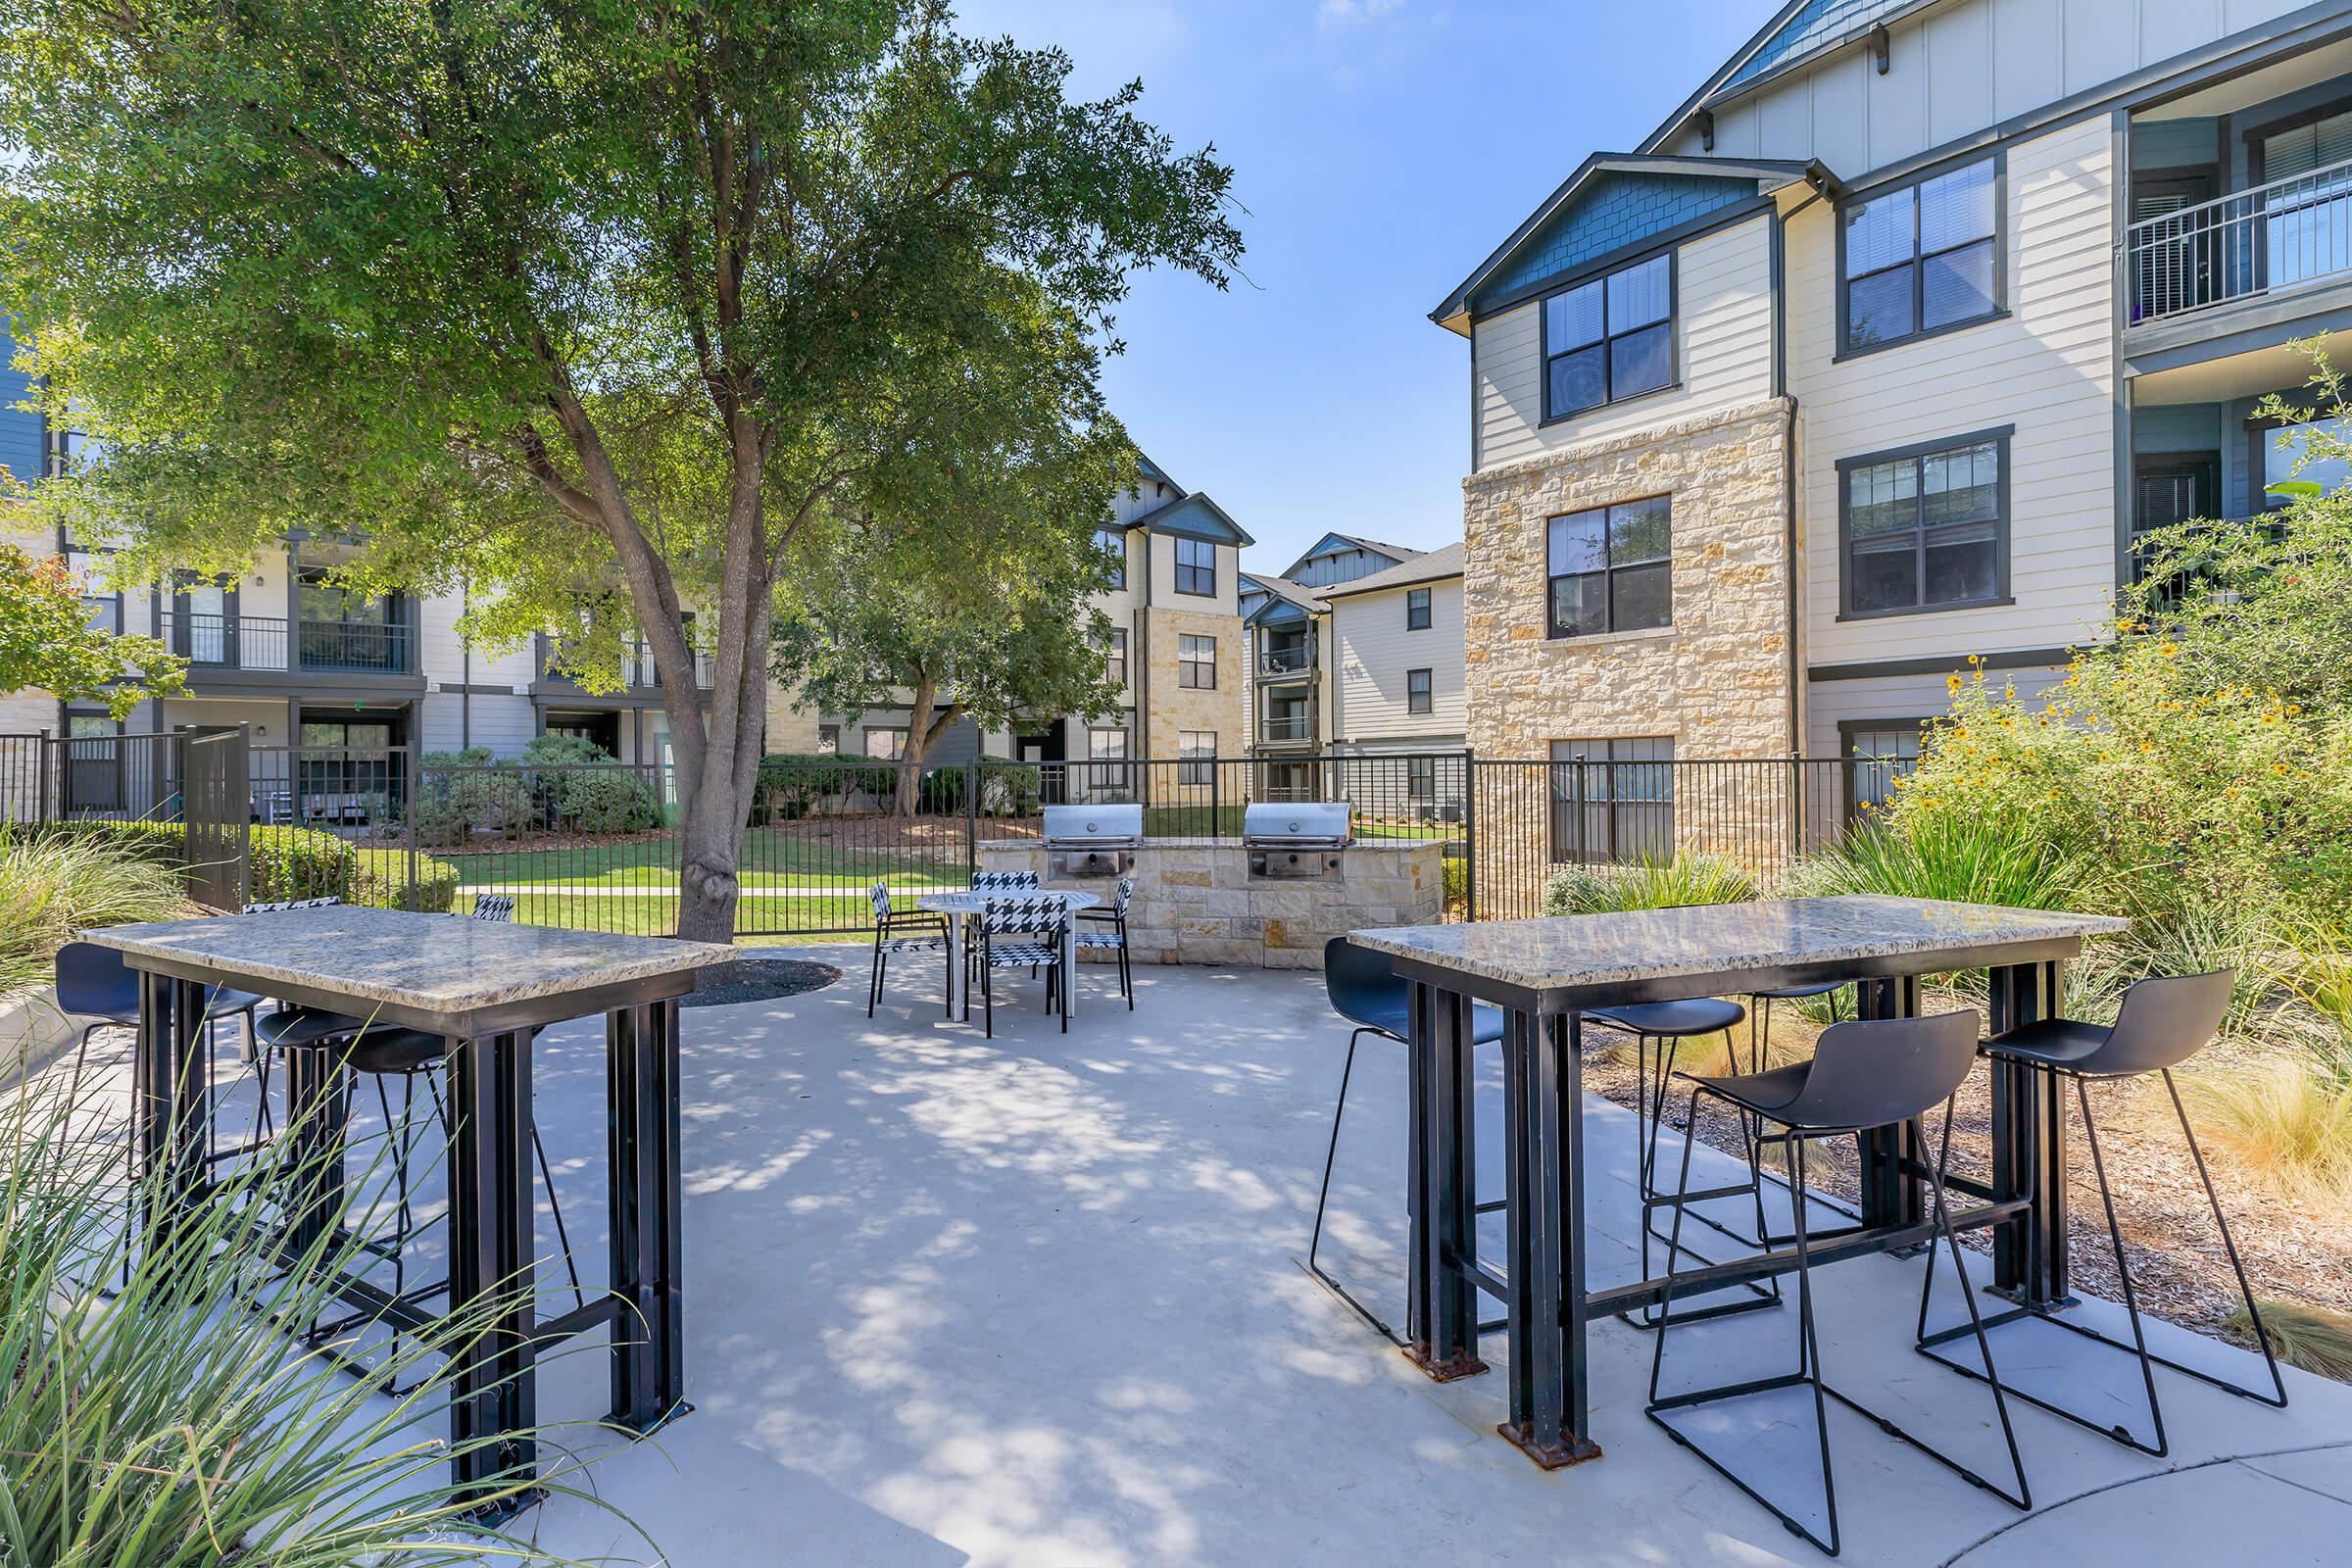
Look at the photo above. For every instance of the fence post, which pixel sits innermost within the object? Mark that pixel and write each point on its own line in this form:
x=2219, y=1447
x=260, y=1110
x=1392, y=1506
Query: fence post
x=40, y=809
x=410, y=784
x=1216, y=796
x=1469, y=837
x=971, y=817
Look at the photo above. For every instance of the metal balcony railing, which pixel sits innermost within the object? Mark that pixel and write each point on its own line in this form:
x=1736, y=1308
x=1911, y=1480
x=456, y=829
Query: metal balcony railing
x=1285, y=661
x=2243, y=246
x=385, y=647
x=1289, y=727
x=637, y=669
x=225, y=642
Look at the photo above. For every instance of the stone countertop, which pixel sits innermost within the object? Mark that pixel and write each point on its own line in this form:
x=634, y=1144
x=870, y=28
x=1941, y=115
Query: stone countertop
x=435, y=964
x=1585, y=950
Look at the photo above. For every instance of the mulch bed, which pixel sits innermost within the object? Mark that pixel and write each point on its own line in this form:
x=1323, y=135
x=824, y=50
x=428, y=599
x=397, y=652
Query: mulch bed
x=759, y=980
x=2292, y=1250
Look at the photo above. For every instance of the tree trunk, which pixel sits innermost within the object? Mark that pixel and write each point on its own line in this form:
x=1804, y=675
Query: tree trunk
x=918, y=747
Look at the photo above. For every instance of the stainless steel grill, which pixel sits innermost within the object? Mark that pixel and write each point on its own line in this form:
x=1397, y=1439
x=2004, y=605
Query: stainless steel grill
x=1098, y=840
x=1295, y=840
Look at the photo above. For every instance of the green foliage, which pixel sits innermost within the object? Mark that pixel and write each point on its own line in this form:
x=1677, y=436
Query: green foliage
x=46, y=640
x=171, y=1424
x=583, y=787
x=53, y=885
x=1967, y=859
x=459, y=793
x=380, y=879
x=285, y=862
x=1684, y=879
x=2301, y=1335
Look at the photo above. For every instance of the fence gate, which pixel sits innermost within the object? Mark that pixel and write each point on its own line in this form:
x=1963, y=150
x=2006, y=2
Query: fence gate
x=217, y=814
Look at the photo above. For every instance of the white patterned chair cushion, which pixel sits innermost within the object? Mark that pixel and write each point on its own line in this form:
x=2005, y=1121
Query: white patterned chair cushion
x=1018, y=916
x=1022, y=954
x=913, y=944
x=493, y=906
x=292, y=903
x=1003, y=881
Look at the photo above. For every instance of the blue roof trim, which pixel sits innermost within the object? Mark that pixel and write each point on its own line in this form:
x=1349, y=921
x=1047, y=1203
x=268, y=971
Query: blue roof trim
x=1816, y=24
x=1194, y=514
x=20, y=429
x=1616, y=210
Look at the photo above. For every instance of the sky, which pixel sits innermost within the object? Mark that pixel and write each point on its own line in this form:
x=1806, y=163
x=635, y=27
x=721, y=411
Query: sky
x=1381, y=149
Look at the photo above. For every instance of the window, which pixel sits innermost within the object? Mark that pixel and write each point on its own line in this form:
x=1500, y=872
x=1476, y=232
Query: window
x=1112, y=542
x=1107, y=750
x=1921, y=257
x=1610, y=568
x=1609, y=339
x=1196, y=662
x=1201, y=744
x=1880, y=751
x=1927, y=529
x=1421, y=778
x=105, y=609
x=886, y=744
x=828, y=740
x=1612, y=800
x=1416, y=610
x=1416, y=691
x=1195, y=568
x=1114, y=658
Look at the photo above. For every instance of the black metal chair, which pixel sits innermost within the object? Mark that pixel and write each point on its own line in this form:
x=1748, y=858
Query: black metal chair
x=1114, y=939
x=1863, y=1075
x=1023, y=933
x=1365, y=989
x=2162, y=1024
x=902, y=932
x=1759, y=1046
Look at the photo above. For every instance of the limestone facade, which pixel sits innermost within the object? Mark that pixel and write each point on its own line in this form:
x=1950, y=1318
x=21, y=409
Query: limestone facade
x=1170, y=707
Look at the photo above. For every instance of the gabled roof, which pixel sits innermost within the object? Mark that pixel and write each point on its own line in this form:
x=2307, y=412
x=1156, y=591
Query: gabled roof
x=1800, y=31
x=1283, y=589
x=1195, y=516
x=1288, y=601
x=1152, y=470
x=1433, y=567
x=1740, y=177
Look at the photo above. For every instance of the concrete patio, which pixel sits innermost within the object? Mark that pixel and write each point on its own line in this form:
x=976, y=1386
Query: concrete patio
x=1041, y=1300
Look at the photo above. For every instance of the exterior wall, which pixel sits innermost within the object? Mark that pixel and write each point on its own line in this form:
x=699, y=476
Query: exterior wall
x=2046, y=368
x=1175, y=709
x=1723, y=353
x=20, y=431
x=1717, y=679
x=1371, y=651
x=1959, y=69
x=504, y=722
x=791, y=728
x=1338, y=565
x=1831, y=702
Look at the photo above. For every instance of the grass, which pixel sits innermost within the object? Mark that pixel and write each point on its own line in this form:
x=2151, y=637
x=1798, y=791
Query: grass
x=174, y=1425
x=770, y=860
x=1649, y=883
x=656, y=916
x=2283, y=1120
x=2308, y=1337
x=50, y=888
x=1967, y=862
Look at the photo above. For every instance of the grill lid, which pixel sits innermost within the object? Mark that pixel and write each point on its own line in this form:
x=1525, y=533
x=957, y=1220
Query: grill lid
x=1288, y=823
x=1097, y=827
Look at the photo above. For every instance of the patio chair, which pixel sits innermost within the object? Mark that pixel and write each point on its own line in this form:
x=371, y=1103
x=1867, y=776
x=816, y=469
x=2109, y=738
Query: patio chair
x=1114, y=939
x=905, y=931
x=1759, y=1044
x=2163, y=1022
x=1365, y=989
x=1004, y=881
x=1874, y=1073
x=493, y=906
x=1023, y=933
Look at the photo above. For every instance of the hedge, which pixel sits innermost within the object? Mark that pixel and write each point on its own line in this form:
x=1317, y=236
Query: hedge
x=286, y=862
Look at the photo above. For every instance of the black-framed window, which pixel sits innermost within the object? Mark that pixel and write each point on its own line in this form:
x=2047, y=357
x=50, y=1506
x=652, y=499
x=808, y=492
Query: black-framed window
x=886, y=743
x=1926, y=527
x=1612, y=800
x=1114, y=657
x=828, y=740
x=1416, y=610
x=1878, y=751
x=1921, y=257
x=1610, y=339
x=1421, y=778
x=1610, y=568
x=1196, y=662
x=1199, y=749
x=104, y=606
x=1417, y=691
x=1112, y=542
x=1195, y=568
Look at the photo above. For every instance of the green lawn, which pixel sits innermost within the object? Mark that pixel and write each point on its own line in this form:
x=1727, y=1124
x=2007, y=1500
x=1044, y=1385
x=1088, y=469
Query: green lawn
x=659, y=916
x=770, y=860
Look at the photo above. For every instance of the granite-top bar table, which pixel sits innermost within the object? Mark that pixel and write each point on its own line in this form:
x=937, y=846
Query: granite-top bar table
x=1545, y=973
x=485, y=987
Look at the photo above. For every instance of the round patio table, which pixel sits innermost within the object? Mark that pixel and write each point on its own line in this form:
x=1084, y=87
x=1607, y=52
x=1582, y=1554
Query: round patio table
x=965, y=905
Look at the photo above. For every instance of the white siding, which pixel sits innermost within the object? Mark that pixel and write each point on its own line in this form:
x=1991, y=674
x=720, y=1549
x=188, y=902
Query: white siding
x=1831, y=702
x=1371, y=651
x=2045, y=368
x=505, y=724
x=1225, y=601
x=1960, y=70
x=1723, y=347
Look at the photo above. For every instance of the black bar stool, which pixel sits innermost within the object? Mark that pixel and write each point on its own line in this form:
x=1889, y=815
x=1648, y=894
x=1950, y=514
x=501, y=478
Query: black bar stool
x=2163, y=1022
x=1759, y=1045
x=1365, y=989
x=1863, y=1075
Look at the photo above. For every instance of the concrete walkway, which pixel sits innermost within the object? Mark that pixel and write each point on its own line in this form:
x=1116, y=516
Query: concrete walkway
x=1037, y=1301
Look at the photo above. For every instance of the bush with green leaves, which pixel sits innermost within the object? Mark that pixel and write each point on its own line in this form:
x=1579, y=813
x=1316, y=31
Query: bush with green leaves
x=580, y=785
x=1670, y=882
x=797, y=784
x=462, y=793
x=52, y=886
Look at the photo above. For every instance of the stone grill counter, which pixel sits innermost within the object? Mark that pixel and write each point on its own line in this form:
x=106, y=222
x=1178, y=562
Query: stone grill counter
x=1196, y=902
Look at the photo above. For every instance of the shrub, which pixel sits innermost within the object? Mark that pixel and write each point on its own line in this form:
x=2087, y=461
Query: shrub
x=1966, y=859
x=380, y=880
x=1684, y=879
x=51, y=887
x=794, y=784
x=578, y=784
x=2308, y=1336
x=299, y=862
x=2286, y=1120
x=460, y=792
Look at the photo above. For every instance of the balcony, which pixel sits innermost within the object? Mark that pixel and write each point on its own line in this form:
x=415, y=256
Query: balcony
x=1287, y=729
x=638, y=671
x=213, y=642
x=1286, y=661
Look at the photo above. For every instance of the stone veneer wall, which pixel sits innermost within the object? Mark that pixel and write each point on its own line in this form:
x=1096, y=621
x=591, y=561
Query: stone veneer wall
x=1716, y=681
x=1172, y=708
x=1196, y=904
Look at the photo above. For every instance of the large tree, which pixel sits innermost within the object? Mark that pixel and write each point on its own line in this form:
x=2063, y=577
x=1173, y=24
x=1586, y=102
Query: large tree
x=47, y=641
x=988, y=617
x=556, y=296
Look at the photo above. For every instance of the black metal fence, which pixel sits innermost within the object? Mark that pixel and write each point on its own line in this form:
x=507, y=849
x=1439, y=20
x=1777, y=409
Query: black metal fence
x=599, y=846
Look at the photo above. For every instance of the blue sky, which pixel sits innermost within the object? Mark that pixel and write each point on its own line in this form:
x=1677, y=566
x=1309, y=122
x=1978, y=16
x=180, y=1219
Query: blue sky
x=1381, y=149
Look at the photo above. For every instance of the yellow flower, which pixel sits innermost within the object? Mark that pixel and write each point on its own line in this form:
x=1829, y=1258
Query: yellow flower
x=2168, y=650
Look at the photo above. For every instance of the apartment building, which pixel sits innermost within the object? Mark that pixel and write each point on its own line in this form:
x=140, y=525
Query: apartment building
x=305, y=663
x=1290, y=699
x=1176, y=651
x=1879, y=353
